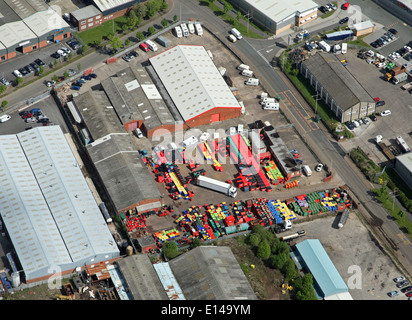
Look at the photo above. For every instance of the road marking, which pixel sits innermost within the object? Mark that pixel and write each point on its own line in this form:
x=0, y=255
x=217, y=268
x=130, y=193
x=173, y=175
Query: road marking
x=267, y=51
x=391, y=25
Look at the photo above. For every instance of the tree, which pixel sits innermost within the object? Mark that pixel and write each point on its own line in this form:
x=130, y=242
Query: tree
x=18, y=81
x=126, y=42
x=40, y=71
x=164, y=22
x=304, y=288
x=152, y=8
x=84, y=49
x=3, y=88
x=278, y=261
x=79, y=66
x=132, y=19
x=66, y=74
x=55, y=78
x=254, y=239
x=125, y=27
x=140, y=10
x=196, y=242
x=4, y=104
x=175, y=18
x=263, y=251
x=289, y=269
x=170, y=250
x=140, y=35
x=55, y=62
x=238, y=15
x=116, y=43
x=164, y=6
x=152, y=30
x=227, y=7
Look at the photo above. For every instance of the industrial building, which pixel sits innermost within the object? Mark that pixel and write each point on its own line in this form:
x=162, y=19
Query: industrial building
x=195, y=85
x=328, y=283
x=49, y=212
x=137, y=101
x=362, y=28
x=211, y=273
x=340, y=90
x=100, y=11
x=28, y=25
x=278, y=16
x=403, y=166
x=400, y=8
x=121, y=170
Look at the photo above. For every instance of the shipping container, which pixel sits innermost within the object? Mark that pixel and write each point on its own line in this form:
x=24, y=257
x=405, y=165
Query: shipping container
x=163, y=41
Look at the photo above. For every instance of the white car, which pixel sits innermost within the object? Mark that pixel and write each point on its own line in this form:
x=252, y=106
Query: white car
x=399, y=279
x=385, y=113
x=232, y=38
x=50, y=83
x=67, y=50
x=319, y=167
x=62, y=53
x=17, y=73
x=4, y=118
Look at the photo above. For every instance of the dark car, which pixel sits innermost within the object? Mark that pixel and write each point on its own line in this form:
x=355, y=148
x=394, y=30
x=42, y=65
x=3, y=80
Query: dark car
x=374, y=44
x=35, y=66
x=22, y=113
x=55, y=55
x=93, y=75
x=380, y=103
x=323, y=9
x=134, y=53
x=393, y=31
x=39, y=62
x=350, y=125
x=402, y=284
x=29, y=69
x=44, y=120
x=23, y=71
x=406, y=289
x=373, y=117
x=88, y=77
x=77, y=84
x=344, y=20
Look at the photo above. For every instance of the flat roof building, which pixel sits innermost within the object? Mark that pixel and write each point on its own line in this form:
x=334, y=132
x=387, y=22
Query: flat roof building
x=279, y=15
x=86, y=17
x=195, y=85
x=345, y=96
x=403, y=166
x=47, y=207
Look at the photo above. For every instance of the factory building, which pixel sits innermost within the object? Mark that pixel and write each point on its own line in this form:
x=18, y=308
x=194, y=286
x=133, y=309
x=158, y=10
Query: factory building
x=195, y=85
x=48, y=210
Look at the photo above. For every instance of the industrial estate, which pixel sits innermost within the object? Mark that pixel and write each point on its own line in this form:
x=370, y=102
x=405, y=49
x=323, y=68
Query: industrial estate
x=198, y=164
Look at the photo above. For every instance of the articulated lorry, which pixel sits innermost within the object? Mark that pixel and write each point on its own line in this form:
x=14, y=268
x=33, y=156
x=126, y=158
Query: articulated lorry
x=293, y=236
x=217, y=185
x=389, y=150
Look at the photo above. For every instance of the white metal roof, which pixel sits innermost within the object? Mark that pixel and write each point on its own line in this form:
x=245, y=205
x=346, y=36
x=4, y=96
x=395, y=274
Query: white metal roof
x=44, y=22
x=55, y=202
x=279, y=10
x=15, y=33
x=104, y=5
x=192, y=80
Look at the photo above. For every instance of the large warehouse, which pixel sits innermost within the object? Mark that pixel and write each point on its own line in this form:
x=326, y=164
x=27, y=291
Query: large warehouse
x=345, y=96
x=328, y=283
x=278, y=15
x=27, y=25
x=403, y=166
x=195, y=85
x=400, y=8
x=47, y=207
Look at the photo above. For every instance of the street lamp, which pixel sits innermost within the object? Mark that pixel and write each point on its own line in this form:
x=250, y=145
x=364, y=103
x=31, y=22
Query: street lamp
x=393, y=194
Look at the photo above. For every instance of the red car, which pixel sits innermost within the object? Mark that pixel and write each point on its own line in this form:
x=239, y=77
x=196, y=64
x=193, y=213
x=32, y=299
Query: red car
x=376, y=99
x=409, y=294
x=296, y=155
x=27, y=115
x=345, y=6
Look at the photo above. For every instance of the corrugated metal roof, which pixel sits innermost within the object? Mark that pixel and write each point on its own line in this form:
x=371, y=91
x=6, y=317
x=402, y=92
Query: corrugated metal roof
x=192, y=80
x=45, y=22
x=321, y=267
x=104, y=5
x=55, y=203
x=170, y=284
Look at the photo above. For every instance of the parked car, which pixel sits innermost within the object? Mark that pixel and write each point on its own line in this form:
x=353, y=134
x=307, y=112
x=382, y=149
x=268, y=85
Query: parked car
x=17, y=73
x=35, y=111
x=409, y=295
x=344, y=20
x=402, y=284
x=81, y=80
x=126, y=58
x=319, y=167
x=50, y=83
x=373, y=117
x=39, y=62
x=35, y=66
x=134, y=53
x=323, y=9
x=27, y=115
x=380, y=103
x=385, y=113
x=93, y=75
x=5, y=118
x=55, y=55
x=66, y=50
x=88, y=77
x=29, y=69
x=350, y=125
x=406, y=289
x=4, y=81
x=32, y=119
x=393, y=293
x=75, y=88
x=332, y=5
x=23, y=71
x=77, y=84
x=393, y=31
x=43, y=120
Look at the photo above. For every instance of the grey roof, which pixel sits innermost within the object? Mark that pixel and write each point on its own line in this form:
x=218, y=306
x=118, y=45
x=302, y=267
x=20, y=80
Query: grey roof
x=58, y=217
x=211, y=273
x=135, y=97
x=125, y=176
x=406, y=160
x=98, y=114
x=337, y=80
x=141, y=278
x=14, y=33
x=85, y=12
x=7, y=14
x=192, y=80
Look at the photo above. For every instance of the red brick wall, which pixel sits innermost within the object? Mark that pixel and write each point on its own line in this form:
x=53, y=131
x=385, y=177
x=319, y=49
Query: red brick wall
x=139, y=204
x=225, y=114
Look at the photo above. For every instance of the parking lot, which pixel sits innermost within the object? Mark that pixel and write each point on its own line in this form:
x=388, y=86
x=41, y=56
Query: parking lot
x=355, y=253
x=398, y=101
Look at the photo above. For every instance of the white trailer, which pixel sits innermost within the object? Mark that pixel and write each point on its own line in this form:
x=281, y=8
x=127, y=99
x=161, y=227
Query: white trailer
x=247, y=73
x=242, y=67
x=217, y=185
x=185, y=30
x=324, y=46
x=199, y=29
x=191, y=27
x=178, y=31
x=252, y=82
x=344, y=48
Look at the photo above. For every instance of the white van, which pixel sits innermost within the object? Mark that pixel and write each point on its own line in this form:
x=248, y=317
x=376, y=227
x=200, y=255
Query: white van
x=271, y=106
x=307, y=170
x=185, y=30
x=4, y=118
x=252, y=82
x=236, y=33
x=178, y=32
x=247, y=73
x=152, y=46
x=243, y=67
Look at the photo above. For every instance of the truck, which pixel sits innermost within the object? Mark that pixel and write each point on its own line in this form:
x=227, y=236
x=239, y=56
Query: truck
x=394, y=72
x=343, y=218
x=389, y=151
x=217, y=185
x=163, y=41
x=282, y=227
x=400, y=78
x=407, y=86
x=295, y=235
